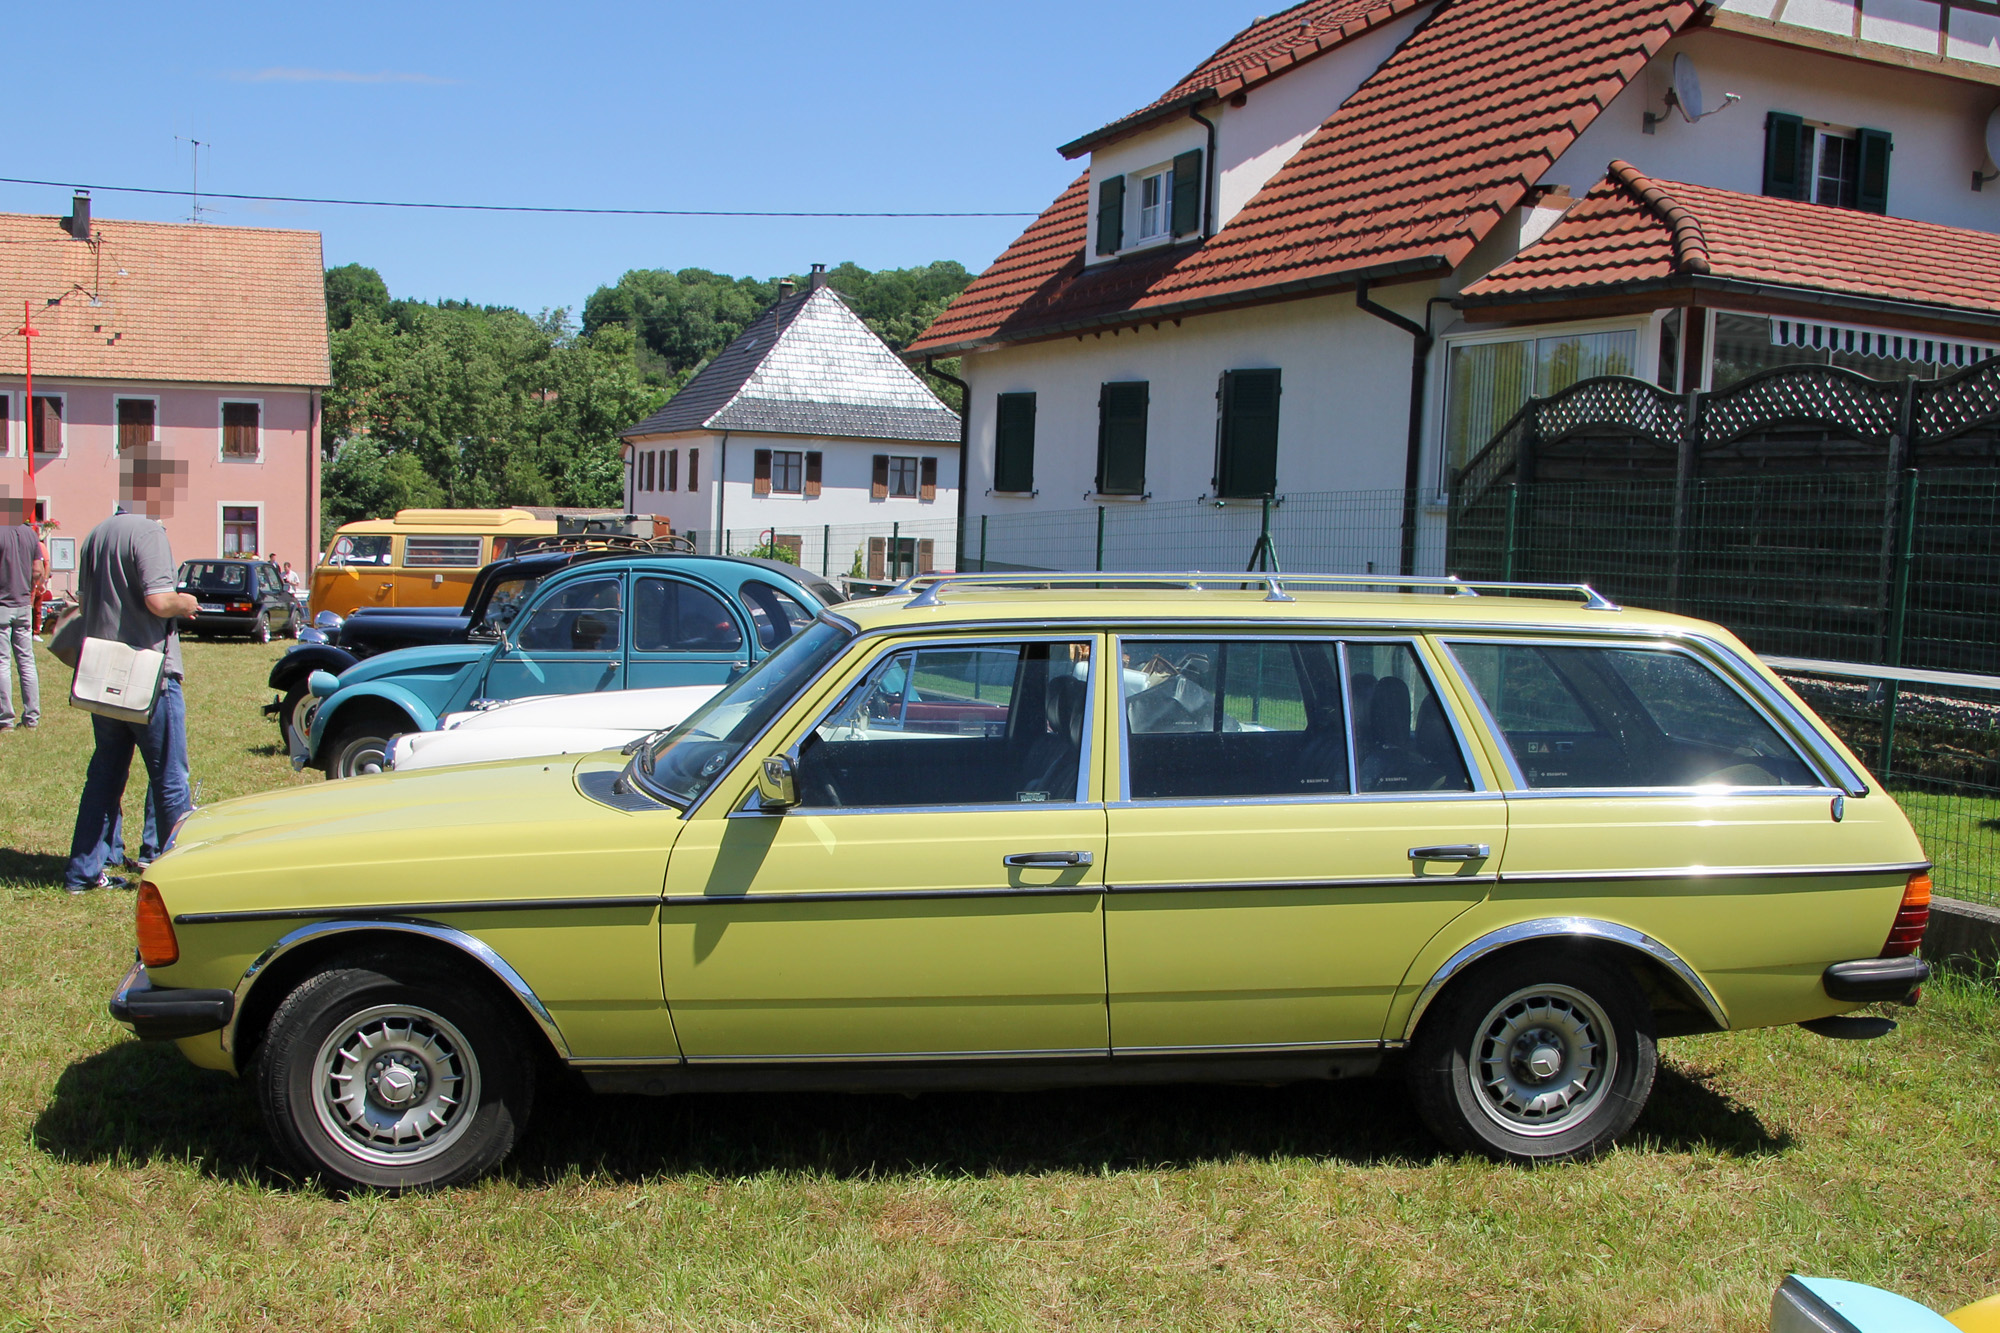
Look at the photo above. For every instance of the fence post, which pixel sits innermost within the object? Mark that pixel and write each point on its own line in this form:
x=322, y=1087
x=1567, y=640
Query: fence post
x=825, y=549
x=982, y=542
x=1100, y=539
x=1685, y=456
x=1513, y=508
x=1899, y=610
x=896, y=551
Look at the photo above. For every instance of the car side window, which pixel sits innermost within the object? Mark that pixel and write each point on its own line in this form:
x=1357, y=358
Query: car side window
x=1403, y=742
x=1233, y=718
x=584, y=616
x=984, y=724
x=1625, y=717
x=671, y=616
x=774, y=613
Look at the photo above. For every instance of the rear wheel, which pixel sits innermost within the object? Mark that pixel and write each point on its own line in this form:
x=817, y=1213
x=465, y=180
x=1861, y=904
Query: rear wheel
x=390, y=1077
x=1541, y=1055
x=361, y=745
x=260, y=628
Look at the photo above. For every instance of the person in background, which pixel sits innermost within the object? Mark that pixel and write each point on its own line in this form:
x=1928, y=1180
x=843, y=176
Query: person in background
x=126, y=577
x=24, y=568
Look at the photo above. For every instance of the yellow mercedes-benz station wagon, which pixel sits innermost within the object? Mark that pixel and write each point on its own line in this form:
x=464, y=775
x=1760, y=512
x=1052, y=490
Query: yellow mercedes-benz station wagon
x=1001, y=830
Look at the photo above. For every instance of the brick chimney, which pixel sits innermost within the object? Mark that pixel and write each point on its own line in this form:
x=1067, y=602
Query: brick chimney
x=77, y=223
x=818, y=278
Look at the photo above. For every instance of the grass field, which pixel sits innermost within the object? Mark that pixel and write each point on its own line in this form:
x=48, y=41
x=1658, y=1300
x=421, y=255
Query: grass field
x=137, y=1192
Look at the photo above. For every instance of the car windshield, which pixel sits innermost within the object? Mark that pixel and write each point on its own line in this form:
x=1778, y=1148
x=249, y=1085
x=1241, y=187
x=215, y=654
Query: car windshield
x=681, y=765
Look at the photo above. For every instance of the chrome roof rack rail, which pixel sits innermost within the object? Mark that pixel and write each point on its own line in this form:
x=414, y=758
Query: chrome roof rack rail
x=929, y=589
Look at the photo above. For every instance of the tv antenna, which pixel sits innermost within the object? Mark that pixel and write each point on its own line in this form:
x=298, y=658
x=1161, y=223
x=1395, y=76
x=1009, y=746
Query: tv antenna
x=195, y=146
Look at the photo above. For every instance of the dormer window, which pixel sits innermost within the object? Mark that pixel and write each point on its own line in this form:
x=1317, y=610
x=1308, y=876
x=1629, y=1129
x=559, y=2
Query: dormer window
x=1825, y=164
x=1156, y=193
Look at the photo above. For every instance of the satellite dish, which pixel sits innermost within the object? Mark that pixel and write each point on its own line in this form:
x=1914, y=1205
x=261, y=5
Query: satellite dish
x=1687, y=87
x=1993, y=135
x=1686, y=92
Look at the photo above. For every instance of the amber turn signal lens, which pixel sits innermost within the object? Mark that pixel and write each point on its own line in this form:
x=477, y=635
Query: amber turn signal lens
x=1907, y=931
x=157, y=945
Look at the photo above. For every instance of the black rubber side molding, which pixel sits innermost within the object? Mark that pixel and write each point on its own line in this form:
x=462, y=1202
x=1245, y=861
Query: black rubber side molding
x=162, y=1013
x=1875, y=979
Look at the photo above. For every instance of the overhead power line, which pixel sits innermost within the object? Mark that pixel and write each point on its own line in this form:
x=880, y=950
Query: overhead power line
x=507, y=208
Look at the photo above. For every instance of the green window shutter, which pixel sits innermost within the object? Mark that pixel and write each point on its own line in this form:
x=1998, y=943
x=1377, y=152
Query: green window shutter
x=1187, y=193
x=1787, y=156
x=1872, y=194
x=1247, y=451
x=1121, y=437
x=1111, y=216
x=1014, y=442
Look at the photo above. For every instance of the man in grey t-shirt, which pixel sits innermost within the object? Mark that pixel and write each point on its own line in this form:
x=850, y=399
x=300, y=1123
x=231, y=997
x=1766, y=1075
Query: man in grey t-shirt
x=125, y=584
x=24, y=567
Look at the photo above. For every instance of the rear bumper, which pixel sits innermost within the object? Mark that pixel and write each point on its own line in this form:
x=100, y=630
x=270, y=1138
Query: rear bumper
x=163, y=1013
x=1868, y=980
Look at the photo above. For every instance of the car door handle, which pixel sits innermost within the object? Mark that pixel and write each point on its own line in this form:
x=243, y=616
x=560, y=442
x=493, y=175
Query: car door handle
x=1452, y=851
x=1025, y=860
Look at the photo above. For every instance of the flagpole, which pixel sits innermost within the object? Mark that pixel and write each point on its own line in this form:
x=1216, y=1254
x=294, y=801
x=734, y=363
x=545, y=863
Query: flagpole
x=29, y=333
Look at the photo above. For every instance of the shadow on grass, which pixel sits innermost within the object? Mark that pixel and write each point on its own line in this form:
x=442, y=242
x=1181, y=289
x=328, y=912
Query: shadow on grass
x=1687, y=1114
x=137, y=1102
x=32, y=867
x=266, y=751
x=142, y=1101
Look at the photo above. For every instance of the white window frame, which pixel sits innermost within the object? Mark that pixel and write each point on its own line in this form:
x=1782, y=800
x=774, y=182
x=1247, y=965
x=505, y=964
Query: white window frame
x=916, y=477
x=222, y=507
x=222, y=431
x=14, y=419
x=118, y=398
x=62, y=424
x=1164, y=208
x=1821, y=133
x=1646, y=367
x=800, y=489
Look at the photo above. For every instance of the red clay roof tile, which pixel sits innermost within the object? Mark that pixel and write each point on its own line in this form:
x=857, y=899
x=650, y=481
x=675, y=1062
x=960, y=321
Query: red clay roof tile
x=1408, y=176
x=1632, y=229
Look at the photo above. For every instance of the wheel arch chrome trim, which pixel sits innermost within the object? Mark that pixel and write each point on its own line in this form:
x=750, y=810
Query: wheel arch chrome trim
x=1557, y=928
x=470, y=945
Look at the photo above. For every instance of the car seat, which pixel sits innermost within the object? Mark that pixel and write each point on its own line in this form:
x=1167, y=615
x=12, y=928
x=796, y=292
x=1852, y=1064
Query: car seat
x=1050, y=762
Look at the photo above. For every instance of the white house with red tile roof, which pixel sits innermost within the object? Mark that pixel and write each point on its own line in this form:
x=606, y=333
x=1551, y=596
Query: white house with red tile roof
x=1344, y=250
x=207, y=341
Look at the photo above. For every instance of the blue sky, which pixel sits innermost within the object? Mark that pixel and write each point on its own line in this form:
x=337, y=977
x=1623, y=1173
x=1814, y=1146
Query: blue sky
x=776, y=105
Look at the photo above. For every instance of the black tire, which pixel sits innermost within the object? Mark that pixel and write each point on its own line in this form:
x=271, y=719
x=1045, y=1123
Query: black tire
x=361, y=745
x=260, y=628
x=1511, y=1061
x=292, y=719
x=426, y=1031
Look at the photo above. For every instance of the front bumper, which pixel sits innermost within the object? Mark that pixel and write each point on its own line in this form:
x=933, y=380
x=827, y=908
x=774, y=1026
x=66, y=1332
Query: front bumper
x=166, y=1013
x=1875, y=980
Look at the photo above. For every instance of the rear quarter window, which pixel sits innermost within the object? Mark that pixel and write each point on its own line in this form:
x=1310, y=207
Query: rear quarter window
x=1608, y=717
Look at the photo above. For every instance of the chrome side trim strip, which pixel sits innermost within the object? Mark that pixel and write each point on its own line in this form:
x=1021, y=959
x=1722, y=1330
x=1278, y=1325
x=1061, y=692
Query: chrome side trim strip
x=1252, y=885
x=874, y=896
x=899, y=1057
x=1306, y=798
x=470, y=945
x=374, y=910
x=1599, y=793
x=1254, y=1048
x=1570, y=927
x=1712, y=872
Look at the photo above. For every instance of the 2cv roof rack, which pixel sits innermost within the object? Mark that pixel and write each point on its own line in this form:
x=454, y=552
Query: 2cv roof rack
x=607, y=542
x=930, y=588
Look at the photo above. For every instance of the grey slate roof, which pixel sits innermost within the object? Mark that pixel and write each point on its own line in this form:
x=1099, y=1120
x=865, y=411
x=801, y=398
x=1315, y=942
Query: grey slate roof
x=807, y=366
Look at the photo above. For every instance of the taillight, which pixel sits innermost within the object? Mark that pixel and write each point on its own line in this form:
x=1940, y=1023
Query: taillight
x=239, y=606
x=1908, y=930
x=157, y=945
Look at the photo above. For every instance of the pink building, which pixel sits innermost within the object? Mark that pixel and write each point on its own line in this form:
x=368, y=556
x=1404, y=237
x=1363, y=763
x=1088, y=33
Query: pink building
x=210, y=341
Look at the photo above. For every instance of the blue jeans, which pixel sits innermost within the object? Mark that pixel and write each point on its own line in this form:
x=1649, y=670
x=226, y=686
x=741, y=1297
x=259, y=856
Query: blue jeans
x=162, y=744
x=17, y=659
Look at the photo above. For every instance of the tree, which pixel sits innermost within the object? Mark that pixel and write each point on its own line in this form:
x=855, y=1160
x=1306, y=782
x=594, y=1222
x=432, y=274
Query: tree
x=354, y=291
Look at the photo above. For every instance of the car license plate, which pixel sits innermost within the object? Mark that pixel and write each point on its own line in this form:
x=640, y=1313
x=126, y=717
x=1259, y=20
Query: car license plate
x=209, y=606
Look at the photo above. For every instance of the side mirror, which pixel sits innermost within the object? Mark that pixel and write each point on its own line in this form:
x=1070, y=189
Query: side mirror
x=776, y=785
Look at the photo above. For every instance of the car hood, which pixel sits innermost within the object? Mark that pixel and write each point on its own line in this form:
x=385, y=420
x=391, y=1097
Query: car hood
x=637, y=710
x=441, y=660
x=485, y=831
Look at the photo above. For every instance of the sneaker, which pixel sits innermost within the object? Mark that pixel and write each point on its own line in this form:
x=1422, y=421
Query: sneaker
x=101, y=882
x=135, y=865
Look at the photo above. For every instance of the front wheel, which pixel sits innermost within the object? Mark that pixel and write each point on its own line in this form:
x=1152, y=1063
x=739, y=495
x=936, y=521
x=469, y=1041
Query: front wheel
x=1543, y=1055
x=388, y=1082
x=362, y=746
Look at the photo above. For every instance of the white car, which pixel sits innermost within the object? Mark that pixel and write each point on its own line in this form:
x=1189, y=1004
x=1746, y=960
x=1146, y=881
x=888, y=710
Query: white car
x=548, y=724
